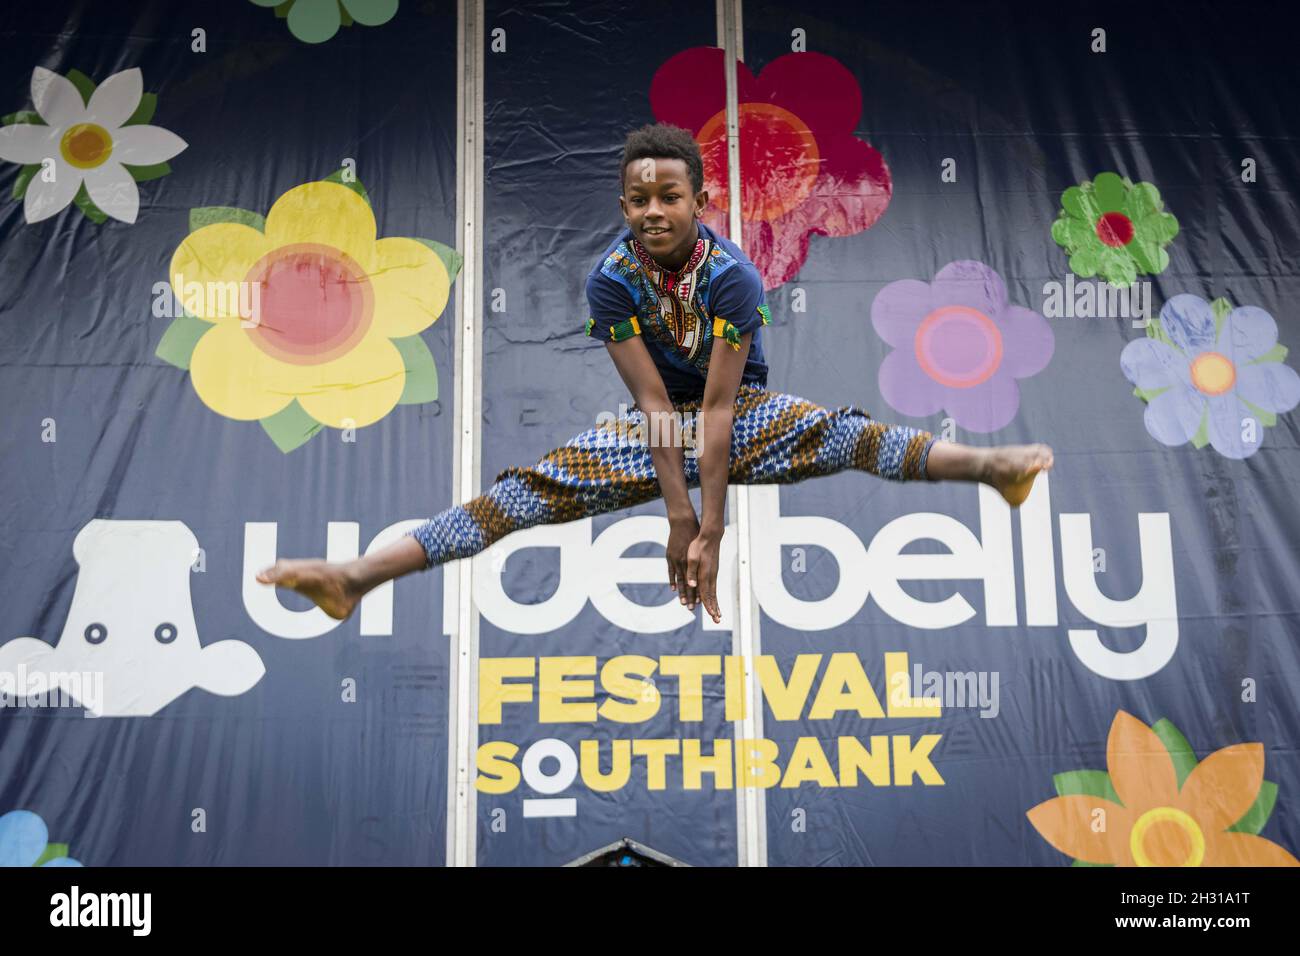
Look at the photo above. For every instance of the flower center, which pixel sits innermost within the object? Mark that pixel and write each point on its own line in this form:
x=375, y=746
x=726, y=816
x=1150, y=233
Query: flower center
x=1166, y=836
x=86, y=145
x=1115, y=229
x=1213, y=373
x=778, y=153
x=958, y=346
x=316, y=303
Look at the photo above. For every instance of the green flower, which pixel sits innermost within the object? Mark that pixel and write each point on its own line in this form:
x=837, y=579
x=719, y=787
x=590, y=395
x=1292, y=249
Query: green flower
x=315, y=21
x=1114, y=228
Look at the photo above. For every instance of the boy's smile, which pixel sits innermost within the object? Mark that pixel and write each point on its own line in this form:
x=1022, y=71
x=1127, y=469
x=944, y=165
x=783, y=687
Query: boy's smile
x=661, y=208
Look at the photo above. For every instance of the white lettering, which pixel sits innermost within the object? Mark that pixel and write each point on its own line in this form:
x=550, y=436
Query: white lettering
x=593, y=570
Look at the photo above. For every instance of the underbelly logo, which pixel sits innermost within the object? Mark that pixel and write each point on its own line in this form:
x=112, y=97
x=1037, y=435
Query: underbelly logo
x=592, y=570
x=817, y=687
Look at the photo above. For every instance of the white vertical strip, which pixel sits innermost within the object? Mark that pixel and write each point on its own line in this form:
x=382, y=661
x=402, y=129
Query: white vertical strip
x=751, y=802
x=462, y=830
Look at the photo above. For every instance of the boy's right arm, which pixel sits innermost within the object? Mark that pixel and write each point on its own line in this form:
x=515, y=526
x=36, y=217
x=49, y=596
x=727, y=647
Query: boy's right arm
x=613, y=303
x=643, y=380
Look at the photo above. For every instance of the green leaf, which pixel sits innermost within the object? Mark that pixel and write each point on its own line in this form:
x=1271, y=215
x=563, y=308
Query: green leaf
x=1157, y=331
x=1180, y=751
x=1082, y=863
x=179, y=340
x=1202, y=436
x=208, y=215
x=84, y=84
x=1266, y=418
x=144, y=112
x=451, y=259
x=1220, y=307
x=282, y=10
x=24, y=178
x=30, y=117
x=53, y=851
x=1088, y=783
x=421, y=372
x=291, y=427
x=1146, y=394
x=91, y=211
x=354, y=185
x=142, y=174
x=1260, y=810
x=1276, y=354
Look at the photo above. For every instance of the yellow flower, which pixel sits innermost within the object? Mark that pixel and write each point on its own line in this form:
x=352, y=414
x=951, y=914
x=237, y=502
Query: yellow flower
x=328, y=299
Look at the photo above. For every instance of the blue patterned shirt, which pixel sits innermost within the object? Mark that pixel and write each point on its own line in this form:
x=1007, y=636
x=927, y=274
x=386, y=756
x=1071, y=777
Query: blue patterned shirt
x=718, y=292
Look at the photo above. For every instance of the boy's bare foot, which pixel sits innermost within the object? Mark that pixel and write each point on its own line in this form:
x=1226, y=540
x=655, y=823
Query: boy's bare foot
x=1011, y=469
x=328, y=585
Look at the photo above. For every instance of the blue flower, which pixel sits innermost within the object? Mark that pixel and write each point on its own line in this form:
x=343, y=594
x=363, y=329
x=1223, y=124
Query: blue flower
x=24, y=839
x=1206, y=369
x=315, y=21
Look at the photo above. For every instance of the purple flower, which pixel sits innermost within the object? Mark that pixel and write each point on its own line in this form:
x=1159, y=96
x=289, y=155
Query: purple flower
x=1202, y=382
x=959, y=346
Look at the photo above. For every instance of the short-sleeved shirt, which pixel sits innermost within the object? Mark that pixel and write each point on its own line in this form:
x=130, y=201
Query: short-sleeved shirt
x=718, y=292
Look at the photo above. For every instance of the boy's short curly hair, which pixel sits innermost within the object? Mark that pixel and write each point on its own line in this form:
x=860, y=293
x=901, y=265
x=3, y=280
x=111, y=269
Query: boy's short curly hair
x=663, y=141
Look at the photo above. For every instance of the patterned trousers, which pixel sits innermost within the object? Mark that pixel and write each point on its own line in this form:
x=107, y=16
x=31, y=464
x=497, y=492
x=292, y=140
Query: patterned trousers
x=775, y=439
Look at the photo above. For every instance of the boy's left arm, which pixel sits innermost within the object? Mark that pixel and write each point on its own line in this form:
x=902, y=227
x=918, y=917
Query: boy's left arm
x=713, y=437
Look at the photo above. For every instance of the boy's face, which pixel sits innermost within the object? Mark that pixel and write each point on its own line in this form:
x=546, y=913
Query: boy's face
x=661, y=207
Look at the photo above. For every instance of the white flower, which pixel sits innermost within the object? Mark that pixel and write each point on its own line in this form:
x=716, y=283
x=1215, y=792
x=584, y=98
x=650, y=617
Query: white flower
x=86, y=143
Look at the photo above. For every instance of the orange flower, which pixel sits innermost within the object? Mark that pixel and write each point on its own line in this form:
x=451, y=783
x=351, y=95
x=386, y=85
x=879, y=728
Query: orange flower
x=1157, y=823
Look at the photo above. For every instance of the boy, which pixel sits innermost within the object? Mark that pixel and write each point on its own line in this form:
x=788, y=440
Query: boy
x=680, y=310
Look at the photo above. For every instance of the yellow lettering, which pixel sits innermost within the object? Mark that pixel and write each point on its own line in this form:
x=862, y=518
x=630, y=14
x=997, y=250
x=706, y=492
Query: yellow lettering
x=787, y=700
x=695, y=765
x=874, y=762
x=616, y=677
x=493, y=691
x=690, y=673
x=494, y=760
x=756, y=763
x=908, y=761
x=654, y=752
x=554, y=692
x=901, y=701
x=845, y=687
x=808, y=763
x=620, y=769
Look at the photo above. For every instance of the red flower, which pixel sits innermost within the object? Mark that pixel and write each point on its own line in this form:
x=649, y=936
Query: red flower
x=802, y=169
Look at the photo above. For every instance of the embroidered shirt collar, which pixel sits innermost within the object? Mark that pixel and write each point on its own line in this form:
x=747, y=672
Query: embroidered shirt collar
x=652, y=267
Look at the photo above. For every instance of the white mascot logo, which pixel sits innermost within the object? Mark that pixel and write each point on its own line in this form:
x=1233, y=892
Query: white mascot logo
x=132, y=622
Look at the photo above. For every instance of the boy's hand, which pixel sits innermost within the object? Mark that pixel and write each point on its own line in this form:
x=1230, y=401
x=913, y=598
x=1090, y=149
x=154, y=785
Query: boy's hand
x=682, y=530
x=702, y=572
